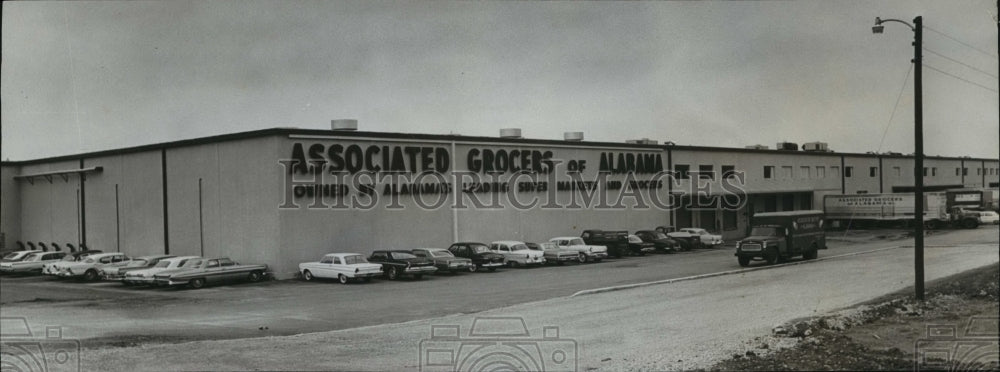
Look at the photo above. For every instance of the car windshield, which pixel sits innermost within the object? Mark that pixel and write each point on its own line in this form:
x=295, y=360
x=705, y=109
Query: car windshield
x=577, y=241
x=401, y=255
x=164, y=263
x=534, y=247
x=442, y=254
x=192, y=263
x=33, y=257
x=660, y=235
x=355, y=259
x=634, y=239
x=69, y=257
x=479, y=248
x=518, y=247
x=765, y=231
x=11, y=256
x=547, y=246
x=137, y=262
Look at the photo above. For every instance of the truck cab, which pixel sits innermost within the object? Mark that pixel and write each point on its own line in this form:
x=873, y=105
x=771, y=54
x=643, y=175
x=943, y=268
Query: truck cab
x=778, y=236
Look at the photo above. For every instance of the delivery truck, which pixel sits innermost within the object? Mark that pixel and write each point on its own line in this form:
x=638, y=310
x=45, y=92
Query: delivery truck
x=879, y=210
x=778, y=236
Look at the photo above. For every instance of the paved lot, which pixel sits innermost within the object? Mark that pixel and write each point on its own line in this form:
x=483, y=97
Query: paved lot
x=685, y=325
x=111, y=313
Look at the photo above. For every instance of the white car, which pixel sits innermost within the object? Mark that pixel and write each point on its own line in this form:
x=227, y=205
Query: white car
x=584, y=252
x=517, y=253
x=32, y=263
x=90, y=268
x=554, y=254
x=988, y=218
x=147, y=276
x=17, y=255
x=340, y=266
x=707, y=238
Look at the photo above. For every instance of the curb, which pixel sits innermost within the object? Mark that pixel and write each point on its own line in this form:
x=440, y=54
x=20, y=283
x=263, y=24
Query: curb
x=721, y=273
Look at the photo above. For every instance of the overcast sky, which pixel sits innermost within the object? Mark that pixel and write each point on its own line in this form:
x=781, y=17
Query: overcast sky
x=87, y=76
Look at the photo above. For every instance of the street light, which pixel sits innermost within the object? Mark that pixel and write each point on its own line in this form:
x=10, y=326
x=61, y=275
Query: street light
x=918, y=148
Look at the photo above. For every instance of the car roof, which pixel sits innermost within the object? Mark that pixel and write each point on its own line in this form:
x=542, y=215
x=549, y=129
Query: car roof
x=342, y=254
x=566, y=237
x=508, y=242
x=163, y=256
x=431, y=249
x=183, y=258
x=106, y=254
x=468, y=243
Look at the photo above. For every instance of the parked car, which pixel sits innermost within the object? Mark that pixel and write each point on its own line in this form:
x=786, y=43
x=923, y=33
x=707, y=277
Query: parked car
x=584, y=252
x=32, y=263
x=88, y=268
x=660, y=241
x=707, y=239
x=553, y=253
x=17, y=255
x=686, y=240
x=147, y=276
x=517, y=253
x=637, y=247
x=341, y=266
x=480, y=254
x=199, y=272
x=444, y=260
x=615, y=241
x=397, y=264
x=117, y=273
x=53, y=268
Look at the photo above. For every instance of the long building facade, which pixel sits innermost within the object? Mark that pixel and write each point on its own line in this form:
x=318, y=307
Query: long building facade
x=283, y=196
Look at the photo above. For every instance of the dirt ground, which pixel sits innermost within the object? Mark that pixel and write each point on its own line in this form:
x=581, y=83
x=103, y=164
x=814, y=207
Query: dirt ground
x=958, y=318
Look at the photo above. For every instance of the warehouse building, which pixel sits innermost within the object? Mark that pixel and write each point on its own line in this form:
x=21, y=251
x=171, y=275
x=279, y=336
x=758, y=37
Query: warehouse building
x=285, y=195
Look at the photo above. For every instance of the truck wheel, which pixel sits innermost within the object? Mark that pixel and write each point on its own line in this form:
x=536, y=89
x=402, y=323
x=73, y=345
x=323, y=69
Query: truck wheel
x=343, y=279
x=744, y=261
x=970, y=223
x=811, y=254
x=771, y=257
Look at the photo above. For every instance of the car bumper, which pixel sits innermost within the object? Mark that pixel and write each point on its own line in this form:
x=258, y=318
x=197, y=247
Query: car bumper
x=114, y=277
x=455, y=267
x=15, y=270
x=597, y=254
x=420, y=270
x=562, y=258
x=367, y=275
x=750, y=254
x=67, y=274
x=490, y=264
x=138, y=280
x=648, y=250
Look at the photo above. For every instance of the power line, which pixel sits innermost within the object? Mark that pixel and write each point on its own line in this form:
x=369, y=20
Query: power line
x=898, y=97
x=959, y=62
x=962, y=79
x=991, y=55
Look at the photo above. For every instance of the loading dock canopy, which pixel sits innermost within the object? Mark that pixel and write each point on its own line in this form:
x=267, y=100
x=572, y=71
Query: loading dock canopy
x=61, y=173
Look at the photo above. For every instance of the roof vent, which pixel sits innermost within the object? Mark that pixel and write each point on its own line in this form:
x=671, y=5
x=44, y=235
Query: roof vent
x=510, y=133
x=344, y=124
x=788, y=146
x=757, y=147
x=642, y=141
x=573, y=136
x=816, y=147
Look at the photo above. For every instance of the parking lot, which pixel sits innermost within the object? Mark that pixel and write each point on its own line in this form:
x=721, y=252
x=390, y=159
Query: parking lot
x=107, y=313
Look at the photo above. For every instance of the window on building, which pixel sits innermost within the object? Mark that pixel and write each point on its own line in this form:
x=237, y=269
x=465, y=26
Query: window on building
x=728, y=171
x=786, y=172
x=804, y=172
x=925, y=171
x=872, y=171
x=682, y=171
x=965, y=171
x=897, y=171
x=820, y=172
x=768, y=171
x=933, y=171
x=706, y=172
x=848, y=171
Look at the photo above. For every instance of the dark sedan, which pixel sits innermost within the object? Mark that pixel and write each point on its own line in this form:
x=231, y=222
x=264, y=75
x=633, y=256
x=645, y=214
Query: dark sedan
x=396, y=264
x=480, y=254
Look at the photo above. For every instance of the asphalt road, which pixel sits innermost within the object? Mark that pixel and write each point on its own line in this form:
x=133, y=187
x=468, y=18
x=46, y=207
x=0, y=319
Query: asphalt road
x=685, y=325
x=102, y=313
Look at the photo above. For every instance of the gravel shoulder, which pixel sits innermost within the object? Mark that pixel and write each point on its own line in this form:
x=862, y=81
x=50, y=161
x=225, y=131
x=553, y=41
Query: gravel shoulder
x=895, y=332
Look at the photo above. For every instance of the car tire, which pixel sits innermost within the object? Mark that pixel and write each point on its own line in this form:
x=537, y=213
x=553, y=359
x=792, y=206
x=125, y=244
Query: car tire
x=307, y=276
x=196, y=283
x=392, y=274
x=255, y=276
x=744, y=261
x=812, y=253
x=343, y=279
x=473, y=268
x=582, y=258
x=90, y=275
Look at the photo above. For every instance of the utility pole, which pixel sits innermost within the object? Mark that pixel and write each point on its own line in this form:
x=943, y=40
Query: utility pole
x=918, y=157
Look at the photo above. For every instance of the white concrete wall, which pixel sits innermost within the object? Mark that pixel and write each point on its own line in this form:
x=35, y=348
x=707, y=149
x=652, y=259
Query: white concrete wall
x=10, y=207
x=135, y=224
x=49, y=210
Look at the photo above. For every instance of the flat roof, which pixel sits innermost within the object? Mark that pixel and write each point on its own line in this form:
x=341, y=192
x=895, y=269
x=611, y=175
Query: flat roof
x=443, y=137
